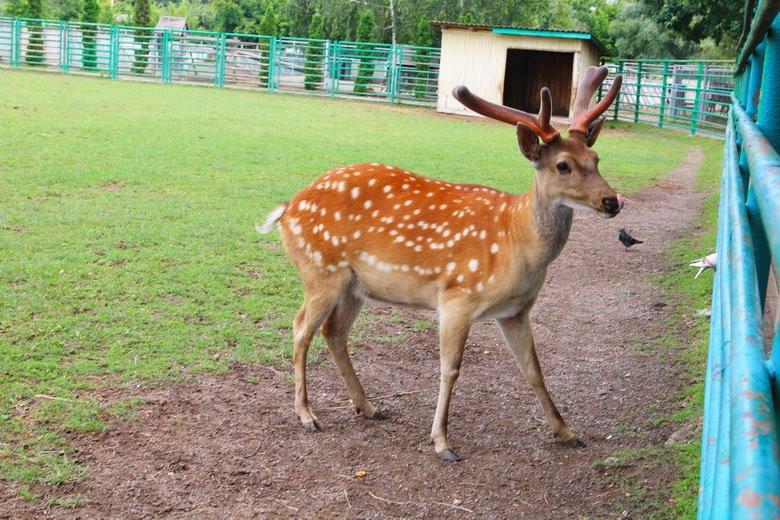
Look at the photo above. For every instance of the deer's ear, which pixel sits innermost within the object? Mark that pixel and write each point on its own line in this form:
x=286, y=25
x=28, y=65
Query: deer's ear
x=529, y=143
x=594, y=130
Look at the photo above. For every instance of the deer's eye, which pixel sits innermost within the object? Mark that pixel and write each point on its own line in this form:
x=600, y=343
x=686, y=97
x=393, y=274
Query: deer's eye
x=563, y=167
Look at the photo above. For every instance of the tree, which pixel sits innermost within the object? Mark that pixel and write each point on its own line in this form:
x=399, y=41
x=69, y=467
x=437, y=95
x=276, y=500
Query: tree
x=314, y=52
x=423, y=81
x=142, y=19
x=64, y=9
x=15, y=8
x=597, y=16
x=35, y=45
x=696, y=20
x=269, y=26
x=637, y=35
x=365, y=33
x=89, y=14
x=228, y=16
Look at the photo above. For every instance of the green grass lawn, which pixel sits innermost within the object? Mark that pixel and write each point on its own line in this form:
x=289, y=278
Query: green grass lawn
x=127, y=242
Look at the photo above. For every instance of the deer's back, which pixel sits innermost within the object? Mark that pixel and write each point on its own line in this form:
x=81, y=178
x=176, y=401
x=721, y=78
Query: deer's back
x=406, y=237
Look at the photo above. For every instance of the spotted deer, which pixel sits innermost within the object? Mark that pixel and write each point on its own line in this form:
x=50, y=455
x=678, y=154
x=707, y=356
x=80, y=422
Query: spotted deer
x=467, y=251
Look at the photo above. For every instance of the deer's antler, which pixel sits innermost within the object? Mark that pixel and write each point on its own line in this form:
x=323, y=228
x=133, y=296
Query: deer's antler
x=540, y=124
x=584, y=116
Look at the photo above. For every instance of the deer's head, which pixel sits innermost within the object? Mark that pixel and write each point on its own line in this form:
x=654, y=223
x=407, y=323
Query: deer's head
x=567, y=168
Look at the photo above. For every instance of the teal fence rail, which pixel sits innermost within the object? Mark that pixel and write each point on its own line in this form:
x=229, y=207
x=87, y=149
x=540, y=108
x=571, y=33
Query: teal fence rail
x=740, y=464
x=394, y=73
x=690, y=95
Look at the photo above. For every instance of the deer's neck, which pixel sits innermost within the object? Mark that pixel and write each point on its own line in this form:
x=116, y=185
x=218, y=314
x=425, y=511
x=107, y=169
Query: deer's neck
x=550, y=222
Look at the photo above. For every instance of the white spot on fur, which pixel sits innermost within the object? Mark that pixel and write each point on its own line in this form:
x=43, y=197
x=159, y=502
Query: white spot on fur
x=367, y=204
x=355, y=192
x=494, y=248
x=473, y=265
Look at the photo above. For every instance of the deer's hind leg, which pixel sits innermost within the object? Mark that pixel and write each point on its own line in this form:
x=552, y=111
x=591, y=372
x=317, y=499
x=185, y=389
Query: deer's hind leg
x=520, y=340
x=319, y=301
x=336, y=331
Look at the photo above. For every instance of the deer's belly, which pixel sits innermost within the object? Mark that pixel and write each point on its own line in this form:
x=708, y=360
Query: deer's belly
x=397, y=289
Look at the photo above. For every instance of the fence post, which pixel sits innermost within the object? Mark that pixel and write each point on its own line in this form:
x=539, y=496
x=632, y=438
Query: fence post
x=62, y=37
x=333, y=66
x=113, y=53
x=637, y=90
x=165, y=58
x=392, y=84
x=16, y=42
x=272, y=64
x=219, y=57
x=617, y=98
x=697, y=99
x=662, y=109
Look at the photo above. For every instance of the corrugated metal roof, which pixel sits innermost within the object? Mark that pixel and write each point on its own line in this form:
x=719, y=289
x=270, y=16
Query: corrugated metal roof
x=520, y=31
x=171, y=22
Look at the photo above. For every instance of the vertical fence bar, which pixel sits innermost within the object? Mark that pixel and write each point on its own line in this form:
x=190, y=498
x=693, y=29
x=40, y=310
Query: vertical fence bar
x=272, y=46
x=165, y=57
x=638, y=88
x=662, y=108
x=62, y=37
x=16, y=43
x=219, y=61
x=697, y=100
x=113, y=53
x=617, y=98
x=333, y=56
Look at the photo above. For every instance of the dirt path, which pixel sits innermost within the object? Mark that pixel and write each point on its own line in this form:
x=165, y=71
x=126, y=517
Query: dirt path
x=229, y=446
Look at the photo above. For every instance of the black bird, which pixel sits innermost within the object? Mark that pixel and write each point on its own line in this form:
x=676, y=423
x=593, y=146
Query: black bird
x=627, y=240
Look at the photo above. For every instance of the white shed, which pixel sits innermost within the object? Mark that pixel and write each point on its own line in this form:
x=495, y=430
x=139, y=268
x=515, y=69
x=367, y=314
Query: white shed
x=510, y=65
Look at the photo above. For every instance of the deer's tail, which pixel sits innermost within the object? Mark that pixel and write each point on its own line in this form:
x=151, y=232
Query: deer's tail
x=272, y=219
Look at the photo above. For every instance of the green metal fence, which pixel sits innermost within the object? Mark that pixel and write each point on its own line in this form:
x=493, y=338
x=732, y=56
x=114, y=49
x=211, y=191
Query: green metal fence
x=691, y=95
x=394, y=73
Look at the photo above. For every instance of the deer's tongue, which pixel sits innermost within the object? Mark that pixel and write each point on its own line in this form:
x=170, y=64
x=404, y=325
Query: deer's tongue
x=621, y=201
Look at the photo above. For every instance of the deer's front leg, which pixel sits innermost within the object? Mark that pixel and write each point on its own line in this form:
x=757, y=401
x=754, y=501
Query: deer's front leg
x=453, y=330
x=520, y=340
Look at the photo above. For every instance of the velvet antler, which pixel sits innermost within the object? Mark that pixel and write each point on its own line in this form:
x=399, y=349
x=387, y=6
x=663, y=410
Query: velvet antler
x=584, y=117
x=540, y=124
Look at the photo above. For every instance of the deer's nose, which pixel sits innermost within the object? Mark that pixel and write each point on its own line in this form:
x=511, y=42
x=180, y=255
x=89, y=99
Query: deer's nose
x=611, y=205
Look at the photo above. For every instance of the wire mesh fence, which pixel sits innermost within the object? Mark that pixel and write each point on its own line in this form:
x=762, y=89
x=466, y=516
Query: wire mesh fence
x=395, y=73
x=690, y=95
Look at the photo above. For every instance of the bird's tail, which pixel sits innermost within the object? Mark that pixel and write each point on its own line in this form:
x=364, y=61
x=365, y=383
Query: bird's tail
x=639, y=241
x=272, y=219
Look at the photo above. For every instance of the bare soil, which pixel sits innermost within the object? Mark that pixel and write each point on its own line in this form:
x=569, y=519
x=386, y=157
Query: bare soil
x=230, y=446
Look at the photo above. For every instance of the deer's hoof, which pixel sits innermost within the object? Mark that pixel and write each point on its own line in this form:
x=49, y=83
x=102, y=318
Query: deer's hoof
x=314, y=426
x=379, y=415
x=448, y=456
x=574, y=442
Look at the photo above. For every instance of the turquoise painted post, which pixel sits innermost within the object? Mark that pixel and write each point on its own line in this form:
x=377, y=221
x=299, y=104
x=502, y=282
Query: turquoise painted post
x=219, y=58
x=165, y=65
x=697, y=99
x=617, y=98
x=113, y=55
x=62, y=36
x=333, y=66
x=392, y=73
x=272, y=64
x=16, y=43
x=638, y=91
x=662, y=109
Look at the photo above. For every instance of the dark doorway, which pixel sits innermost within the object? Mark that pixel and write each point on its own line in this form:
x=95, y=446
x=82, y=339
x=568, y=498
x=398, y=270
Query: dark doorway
x=528, y=71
